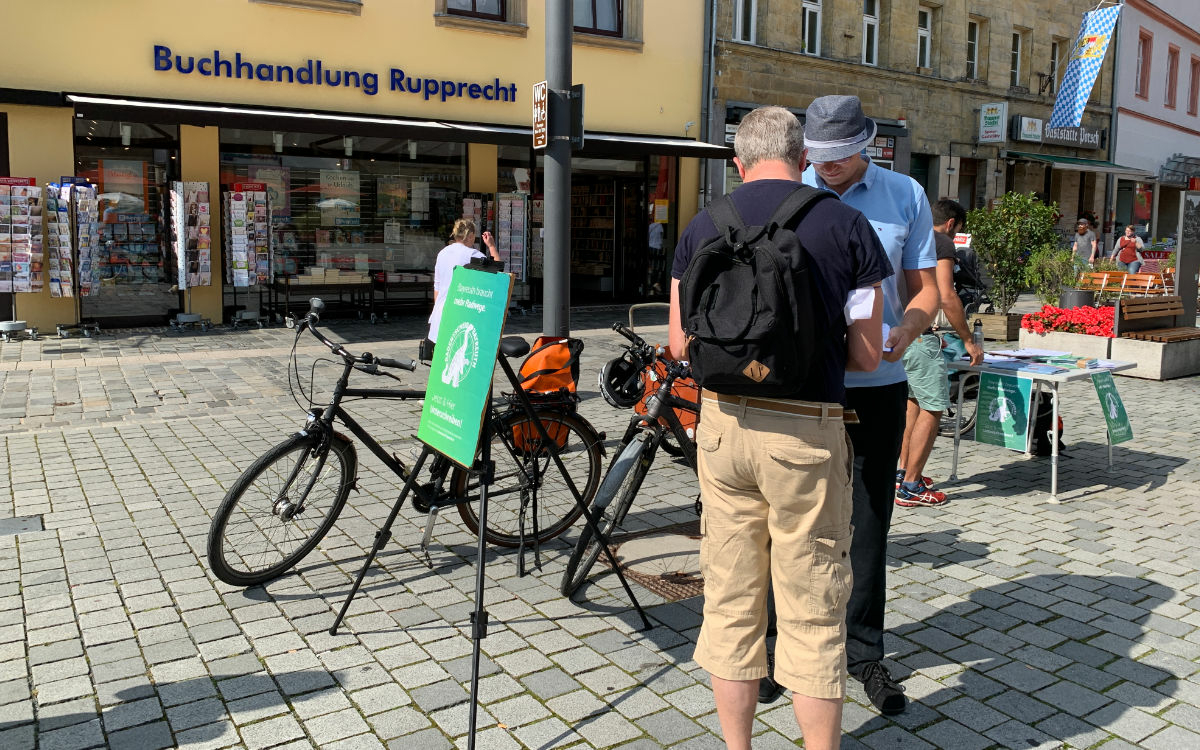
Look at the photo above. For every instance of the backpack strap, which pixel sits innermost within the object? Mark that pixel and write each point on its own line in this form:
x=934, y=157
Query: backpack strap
x=725, y=215
x=796, y=203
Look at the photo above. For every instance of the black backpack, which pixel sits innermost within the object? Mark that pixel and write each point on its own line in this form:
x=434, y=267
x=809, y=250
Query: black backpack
x=1042, y=446
x=748, y=306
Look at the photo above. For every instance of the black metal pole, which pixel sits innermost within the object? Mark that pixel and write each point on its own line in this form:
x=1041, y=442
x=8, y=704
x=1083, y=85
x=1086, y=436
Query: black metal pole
x=479, y=618
x=556, y=316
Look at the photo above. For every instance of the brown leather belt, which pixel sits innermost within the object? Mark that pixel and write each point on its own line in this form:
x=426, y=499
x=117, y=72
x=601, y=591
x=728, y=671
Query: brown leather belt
x=786, y=406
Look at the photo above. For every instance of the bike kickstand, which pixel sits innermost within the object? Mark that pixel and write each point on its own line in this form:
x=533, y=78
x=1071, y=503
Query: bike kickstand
x=430, y=520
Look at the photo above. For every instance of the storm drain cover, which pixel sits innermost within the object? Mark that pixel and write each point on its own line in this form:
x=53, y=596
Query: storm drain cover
x=20, y=524
x=665, y=561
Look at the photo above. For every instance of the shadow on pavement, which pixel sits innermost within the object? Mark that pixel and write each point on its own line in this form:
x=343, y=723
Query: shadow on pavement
x=936, y=549
x=1081, y=468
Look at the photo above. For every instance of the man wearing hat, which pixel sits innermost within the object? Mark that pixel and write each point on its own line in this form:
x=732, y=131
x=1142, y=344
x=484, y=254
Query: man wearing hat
x=835, y=133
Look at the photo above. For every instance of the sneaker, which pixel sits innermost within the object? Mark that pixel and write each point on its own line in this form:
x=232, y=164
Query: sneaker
x=922, y=497
x=768, y=688
x=927, y=481
x=885, y=694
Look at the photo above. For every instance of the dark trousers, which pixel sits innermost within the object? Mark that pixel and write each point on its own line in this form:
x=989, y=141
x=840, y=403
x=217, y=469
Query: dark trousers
x=876, y=439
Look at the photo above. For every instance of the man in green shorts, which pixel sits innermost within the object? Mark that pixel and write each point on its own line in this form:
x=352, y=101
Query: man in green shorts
x=928, y=385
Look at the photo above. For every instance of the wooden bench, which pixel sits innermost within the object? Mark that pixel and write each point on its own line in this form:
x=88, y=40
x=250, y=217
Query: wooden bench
x=1121, y=283
x=1151, y=319
x=1143, y=284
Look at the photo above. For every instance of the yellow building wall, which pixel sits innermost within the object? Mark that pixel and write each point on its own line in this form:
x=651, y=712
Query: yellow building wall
x=200, y=155
x=41, y=145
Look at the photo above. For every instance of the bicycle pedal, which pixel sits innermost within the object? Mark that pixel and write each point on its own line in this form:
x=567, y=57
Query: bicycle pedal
x=423, y=497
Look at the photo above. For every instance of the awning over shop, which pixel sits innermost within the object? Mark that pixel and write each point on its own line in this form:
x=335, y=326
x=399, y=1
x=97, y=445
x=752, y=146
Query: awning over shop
x=334, y=123
x=1083, y=165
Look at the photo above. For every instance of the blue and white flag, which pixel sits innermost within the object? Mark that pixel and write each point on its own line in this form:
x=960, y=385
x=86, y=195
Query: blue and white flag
x=1086, y=58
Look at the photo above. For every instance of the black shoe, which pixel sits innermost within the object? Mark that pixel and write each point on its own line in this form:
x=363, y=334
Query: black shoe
x=768, y=688
x=885, y=694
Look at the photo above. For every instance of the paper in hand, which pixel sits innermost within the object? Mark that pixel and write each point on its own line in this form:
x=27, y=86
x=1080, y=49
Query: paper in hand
x=886, y=330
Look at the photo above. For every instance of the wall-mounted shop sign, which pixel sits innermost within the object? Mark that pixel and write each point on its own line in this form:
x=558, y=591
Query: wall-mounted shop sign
x=993, y=122
x=1081, y=137
x=314, y=72
x=1027, y=129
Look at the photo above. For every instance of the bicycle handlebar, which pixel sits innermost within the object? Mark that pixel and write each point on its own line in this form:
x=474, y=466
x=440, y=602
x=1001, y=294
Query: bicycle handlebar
x=316, y=306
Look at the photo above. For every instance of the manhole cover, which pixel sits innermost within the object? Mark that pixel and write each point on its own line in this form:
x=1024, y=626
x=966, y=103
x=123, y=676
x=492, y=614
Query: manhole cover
x=20, y=524
x=665, y=561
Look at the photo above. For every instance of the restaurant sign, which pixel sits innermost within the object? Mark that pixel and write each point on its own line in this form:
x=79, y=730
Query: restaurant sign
x=1081, y=137
x=993, y=125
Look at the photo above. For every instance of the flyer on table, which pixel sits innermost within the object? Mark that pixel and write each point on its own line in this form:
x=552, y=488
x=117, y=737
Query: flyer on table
x=460, y=377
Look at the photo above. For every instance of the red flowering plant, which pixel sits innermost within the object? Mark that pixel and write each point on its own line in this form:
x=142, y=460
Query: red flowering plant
x=1094, y=321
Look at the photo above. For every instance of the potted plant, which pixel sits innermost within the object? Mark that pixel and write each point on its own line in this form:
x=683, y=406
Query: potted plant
x=1005, y=236
x=1084, y=331
x=1048, y=271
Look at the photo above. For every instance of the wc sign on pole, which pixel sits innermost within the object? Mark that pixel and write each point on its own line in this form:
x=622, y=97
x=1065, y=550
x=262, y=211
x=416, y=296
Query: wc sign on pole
x=541, y=92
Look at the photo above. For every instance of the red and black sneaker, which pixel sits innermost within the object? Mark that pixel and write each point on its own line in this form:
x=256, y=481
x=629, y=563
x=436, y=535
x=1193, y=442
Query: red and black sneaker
x=926, y=482
x=921, y=497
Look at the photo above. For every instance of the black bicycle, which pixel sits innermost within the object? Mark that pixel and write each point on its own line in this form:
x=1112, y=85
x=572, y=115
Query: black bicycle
x=639, y=445
x=281, y=507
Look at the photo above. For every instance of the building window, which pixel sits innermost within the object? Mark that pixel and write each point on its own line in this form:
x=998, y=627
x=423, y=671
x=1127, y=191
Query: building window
x=870, y=32
x=1053, y=72
x=1194, y=87
x=1014, y=73
x=1141, y=84
x=744, y=14
x=1172, y=76
x=924, y=23
x=812, y=27
x=972, y=49
x=493, y=9
x=599, y=17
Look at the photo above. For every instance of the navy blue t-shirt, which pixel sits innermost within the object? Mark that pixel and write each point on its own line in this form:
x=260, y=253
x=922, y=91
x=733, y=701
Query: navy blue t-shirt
x=845, y=254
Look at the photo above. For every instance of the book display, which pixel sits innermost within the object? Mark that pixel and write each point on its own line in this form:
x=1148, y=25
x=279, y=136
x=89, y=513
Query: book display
x=247, y=235
x=22, y=258
x=592, y=229
x=132, y=253
x=191, y=233
x=86, y=215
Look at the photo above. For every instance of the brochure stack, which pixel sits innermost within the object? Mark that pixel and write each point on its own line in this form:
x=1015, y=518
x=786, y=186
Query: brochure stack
x=191, y=233
x=86, y=214
x=21, y=241
x=511, y=236
x=247, y=235
x=59, y=246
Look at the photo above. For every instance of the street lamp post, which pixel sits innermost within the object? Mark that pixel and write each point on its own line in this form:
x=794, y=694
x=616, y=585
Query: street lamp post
x=556, y=315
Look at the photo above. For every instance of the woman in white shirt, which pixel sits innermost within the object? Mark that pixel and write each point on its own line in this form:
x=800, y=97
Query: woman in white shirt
x=459, y=252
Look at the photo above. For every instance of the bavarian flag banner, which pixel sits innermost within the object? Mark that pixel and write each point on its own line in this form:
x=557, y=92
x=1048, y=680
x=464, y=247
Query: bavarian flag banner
x=1086, y=58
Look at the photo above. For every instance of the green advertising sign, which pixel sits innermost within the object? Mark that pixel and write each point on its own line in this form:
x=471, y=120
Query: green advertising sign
x=1119, y=429
x=1003, y=416
x=460, y=378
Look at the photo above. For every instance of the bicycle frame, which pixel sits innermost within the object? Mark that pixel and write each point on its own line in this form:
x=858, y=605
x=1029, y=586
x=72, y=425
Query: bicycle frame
x=662, y=406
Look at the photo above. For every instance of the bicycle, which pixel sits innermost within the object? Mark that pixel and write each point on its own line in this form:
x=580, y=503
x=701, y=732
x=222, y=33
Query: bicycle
x=614, y=498
x=967, y=382
x=281, y=507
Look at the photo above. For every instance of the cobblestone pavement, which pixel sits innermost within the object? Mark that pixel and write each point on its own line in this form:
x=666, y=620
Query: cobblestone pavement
x=1013, y=622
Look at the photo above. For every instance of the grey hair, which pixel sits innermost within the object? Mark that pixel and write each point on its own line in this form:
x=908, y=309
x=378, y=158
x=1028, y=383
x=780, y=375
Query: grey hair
x=769, y=134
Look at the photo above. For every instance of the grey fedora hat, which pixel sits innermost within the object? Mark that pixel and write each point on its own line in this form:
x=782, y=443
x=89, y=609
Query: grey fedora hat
x=835, y=127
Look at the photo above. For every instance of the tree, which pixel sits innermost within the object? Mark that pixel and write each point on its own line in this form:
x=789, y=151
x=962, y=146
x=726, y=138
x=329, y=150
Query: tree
x=1005, y=236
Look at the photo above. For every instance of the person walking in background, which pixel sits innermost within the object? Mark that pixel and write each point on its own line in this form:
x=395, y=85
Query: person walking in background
x=1128, y=252
x=928, y=375
x=459, y=252
x=1085, y=246
x=775, y=472
x=836, y=132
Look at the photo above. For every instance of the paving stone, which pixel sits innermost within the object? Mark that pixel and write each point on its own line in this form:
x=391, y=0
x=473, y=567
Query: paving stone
x=146, y=737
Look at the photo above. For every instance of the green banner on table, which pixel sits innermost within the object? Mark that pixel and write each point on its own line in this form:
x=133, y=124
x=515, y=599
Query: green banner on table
x=1119, y=429
x=1003, y=416
x=461, y=375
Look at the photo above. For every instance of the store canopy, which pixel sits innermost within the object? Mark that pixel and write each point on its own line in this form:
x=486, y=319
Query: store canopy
x=1084, y=165
x=333, y=123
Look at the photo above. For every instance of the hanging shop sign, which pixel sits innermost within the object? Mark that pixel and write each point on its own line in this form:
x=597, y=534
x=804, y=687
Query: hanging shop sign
x=541, y=97
x=314, y=72
x=993, y=122
x=1081, y=137
x=1027, y=129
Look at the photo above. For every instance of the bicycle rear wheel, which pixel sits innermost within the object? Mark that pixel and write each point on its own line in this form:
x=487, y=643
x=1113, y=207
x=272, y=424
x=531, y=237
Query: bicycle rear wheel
x=525, y=472
x=280, y=508
x=613, y=501
x=969, y=383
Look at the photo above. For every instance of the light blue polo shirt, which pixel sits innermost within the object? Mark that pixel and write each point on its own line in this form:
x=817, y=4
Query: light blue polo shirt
x=897, y=208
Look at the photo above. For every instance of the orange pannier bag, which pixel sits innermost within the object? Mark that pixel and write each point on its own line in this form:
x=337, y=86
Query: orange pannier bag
x=550, y=373
x=683, y=388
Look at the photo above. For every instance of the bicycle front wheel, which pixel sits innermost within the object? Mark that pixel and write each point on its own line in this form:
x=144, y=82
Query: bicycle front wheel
x=613, y=501
x=528, y=486
x=280, y=508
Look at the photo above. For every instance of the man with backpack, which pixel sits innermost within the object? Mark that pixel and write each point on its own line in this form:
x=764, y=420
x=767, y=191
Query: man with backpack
x=836, y=133
x=774, y=294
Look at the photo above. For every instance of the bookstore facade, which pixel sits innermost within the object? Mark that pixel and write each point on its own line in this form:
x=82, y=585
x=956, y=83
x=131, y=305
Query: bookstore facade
x=234, y=175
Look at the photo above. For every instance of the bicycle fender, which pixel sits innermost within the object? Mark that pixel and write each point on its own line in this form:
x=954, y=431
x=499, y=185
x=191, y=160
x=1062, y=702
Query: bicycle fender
x=616, y=473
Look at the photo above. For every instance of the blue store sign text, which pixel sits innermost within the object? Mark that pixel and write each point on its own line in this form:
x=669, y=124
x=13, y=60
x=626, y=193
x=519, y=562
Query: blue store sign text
x=313, y=72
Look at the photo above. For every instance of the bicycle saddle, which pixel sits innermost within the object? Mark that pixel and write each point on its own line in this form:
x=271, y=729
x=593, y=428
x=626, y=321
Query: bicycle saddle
x=514, y=346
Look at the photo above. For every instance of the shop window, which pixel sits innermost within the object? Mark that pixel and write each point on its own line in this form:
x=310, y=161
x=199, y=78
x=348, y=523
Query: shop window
x=599, y=17
x=1194, y=87
x=495, y=16
x=354, y=7
x=1141, y=84
x=812, y=27
x=1172, y=76
x=924, y=29
x=745, y=13
x=870, y=32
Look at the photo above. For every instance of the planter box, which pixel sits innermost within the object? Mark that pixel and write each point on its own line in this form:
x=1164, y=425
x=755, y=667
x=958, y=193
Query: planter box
x=1082, y=344
x=997, y=327
x=1156, y=360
